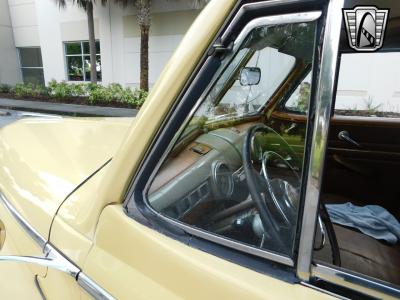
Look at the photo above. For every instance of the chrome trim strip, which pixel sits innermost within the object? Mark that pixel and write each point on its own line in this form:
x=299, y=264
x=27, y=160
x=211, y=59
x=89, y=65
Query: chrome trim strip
x=227, y=242
x=52, y=258
x=256, y=5
x=309, y=285
x=324, y=95
x=356, y=282
x=281, y=19
x=41, y=241
x=277, y=20
x=53, y=263
x=93, y=288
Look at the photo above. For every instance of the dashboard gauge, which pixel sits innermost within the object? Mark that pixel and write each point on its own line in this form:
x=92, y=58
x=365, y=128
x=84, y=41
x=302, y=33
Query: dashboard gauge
x=222, y=180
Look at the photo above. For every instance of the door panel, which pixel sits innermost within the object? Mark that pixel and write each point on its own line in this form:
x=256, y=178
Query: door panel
x=60, y=286
x=368, y=173
x=132, y=261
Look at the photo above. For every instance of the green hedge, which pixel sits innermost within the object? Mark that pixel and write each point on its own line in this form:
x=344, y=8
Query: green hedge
x=92, y=93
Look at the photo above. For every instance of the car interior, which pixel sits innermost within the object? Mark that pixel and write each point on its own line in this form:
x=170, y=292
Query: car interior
x=235, y=168
x=361, y=166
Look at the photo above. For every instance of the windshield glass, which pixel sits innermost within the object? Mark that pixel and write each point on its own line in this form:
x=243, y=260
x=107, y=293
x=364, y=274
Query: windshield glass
x=250, y=78
x=231, y=98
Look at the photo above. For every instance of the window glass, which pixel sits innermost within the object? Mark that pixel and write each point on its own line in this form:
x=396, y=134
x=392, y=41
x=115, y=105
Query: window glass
x=34, y=76
x=75, y=68
x=87, y=67
x=73, y=48
x=230, y=173
x=369, y=85
x=359, y=194
x=78, y=61
x=298, y=101
x=275, y=68
x=31, y=65
x=86, y=49
x=31, y=57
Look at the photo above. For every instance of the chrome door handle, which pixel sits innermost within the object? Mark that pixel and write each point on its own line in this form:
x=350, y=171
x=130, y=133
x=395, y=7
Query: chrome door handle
x=345, y=136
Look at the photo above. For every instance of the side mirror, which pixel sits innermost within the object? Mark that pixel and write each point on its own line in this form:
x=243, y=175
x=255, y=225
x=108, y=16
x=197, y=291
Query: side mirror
x=250, y=76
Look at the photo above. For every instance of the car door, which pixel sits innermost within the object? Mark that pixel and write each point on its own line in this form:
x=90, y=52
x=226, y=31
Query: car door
x=124, y=247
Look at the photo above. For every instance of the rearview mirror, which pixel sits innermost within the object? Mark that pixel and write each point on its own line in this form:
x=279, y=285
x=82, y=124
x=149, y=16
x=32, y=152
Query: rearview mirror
x=250, y=76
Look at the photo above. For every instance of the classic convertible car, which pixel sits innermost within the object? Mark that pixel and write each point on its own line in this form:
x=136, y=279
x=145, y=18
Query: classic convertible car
x=264, y=165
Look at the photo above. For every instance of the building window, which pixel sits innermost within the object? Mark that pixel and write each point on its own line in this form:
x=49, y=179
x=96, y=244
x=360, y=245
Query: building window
x=78, y=60
x=31, y=65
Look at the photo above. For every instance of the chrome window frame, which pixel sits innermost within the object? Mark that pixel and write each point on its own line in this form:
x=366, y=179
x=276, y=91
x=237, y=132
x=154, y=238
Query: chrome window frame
x=307, y=270
x=288, y=18
x=324, y=101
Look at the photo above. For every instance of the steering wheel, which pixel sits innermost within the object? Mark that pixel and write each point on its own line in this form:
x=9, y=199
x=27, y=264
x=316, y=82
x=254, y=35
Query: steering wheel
x=275, y=199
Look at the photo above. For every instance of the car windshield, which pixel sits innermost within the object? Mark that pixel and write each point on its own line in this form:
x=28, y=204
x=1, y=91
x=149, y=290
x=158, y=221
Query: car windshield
x=249, y=80
x=232, y=97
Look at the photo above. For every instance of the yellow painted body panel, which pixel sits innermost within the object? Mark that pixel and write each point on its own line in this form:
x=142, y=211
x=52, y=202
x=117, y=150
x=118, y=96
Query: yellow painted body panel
x=43, y=160
x=133, y=261
x=17, y=280
x=162, y=96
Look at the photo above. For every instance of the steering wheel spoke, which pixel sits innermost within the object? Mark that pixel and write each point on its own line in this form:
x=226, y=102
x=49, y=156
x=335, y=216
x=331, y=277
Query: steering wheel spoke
x=275, y=199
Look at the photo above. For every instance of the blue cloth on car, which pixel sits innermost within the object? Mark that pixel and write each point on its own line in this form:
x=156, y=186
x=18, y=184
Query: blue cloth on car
x=372, y=220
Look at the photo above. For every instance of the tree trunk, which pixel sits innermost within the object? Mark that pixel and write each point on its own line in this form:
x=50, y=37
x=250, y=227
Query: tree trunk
x=144, y=57
x=92, y=42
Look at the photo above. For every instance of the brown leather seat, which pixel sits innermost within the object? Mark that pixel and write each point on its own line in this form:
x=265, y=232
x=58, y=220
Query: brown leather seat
x=364, y=254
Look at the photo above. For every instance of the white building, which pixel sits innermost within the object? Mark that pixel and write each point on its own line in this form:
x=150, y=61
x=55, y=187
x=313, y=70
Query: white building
x=40, y=42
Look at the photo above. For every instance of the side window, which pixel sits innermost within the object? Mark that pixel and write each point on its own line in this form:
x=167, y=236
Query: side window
x=360, y=188
x=298, y=101
x=369, y=85
x=31, y=65
x=229, y=173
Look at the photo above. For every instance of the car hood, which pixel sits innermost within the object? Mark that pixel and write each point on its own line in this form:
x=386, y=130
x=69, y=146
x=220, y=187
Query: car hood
x=43, y=159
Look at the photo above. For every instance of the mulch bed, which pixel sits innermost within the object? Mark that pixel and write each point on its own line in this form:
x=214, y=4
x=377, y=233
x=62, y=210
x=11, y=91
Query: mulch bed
x=72, y=100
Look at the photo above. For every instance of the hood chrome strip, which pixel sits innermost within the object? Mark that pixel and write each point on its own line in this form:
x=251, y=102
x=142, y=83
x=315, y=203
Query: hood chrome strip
x=52, y=258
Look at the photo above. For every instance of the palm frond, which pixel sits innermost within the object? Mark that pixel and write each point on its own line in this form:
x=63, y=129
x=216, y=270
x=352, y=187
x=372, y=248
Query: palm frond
x=80, y=3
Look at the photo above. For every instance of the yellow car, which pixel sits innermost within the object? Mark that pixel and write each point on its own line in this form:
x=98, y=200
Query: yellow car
x=263, y=165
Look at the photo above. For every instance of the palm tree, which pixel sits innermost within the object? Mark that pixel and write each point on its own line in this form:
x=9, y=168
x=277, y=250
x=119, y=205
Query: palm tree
x=87, y=5
x=144, y=21
x=199, y=3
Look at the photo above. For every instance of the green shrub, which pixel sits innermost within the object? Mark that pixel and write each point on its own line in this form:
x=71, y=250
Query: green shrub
x=78, y=89
x=30, y=90
x=100, y=94
x=5, y=88
x=60, y=90
x=140, y=97
x=95, y=93
x=21, y=89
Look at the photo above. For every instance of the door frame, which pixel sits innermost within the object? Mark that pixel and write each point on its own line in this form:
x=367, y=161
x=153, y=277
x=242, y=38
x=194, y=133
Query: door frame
x=135, y=203
x=308, y=271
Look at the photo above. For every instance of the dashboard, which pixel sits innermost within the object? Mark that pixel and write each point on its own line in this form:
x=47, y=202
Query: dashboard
x=208, y=170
